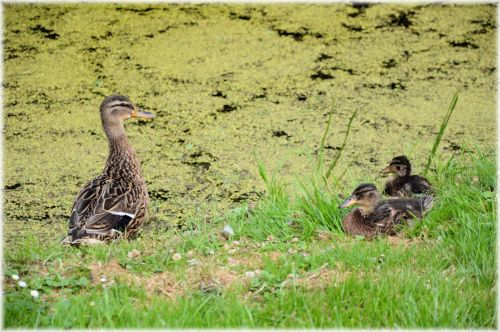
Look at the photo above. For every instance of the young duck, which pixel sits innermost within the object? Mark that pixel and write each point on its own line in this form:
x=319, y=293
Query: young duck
x=113, y=204
x=375, y=217
x=404, y=184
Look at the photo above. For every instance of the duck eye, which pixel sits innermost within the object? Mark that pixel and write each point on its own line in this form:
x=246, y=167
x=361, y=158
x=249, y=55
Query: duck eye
x=398, y=168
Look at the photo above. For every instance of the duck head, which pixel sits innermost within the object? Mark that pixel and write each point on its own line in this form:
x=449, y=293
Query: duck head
x=115, y=109
x=400, y=166
x=366, y=196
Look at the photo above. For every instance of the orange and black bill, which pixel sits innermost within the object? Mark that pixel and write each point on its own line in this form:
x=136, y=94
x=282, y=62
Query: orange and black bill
x=138, y=113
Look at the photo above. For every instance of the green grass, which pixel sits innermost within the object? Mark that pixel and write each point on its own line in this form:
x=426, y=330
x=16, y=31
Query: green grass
x=441, y=273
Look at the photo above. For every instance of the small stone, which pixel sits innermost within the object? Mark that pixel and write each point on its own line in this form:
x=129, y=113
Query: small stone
x=227, y=231
x=475, y=179
x=231, y=251
x=15, y=277
x=34, y=293
x=176, y=256
x=22, y=284
x=292, y=251
x=211, y=252
x=133, y=253
x=270, y=238
x=103, y=279
x=190, y=254
x=294, y=240
x=250, y=274
x=236, y=243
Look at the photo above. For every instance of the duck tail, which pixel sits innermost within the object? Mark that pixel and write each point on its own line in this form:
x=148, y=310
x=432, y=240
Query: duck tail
x=426, y=203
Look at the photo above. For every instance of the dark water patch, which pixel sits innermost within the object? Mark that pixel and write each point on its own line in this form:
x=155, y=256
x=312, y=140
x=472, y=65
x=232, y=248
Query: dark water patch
x=261, y=95
x=463, y=44
x=301, y=97
x=321, y=75
x=92, y=49
x=453, y=147
x=392, y=86
x=402, y=19
x=371, y=123
x=12, y=53
x=360, y=5
x=489, y=70
x=201, y=165
x=13, y=186
x=218, y=93
x=323, y=57
x=360, y=8
x=201, y=153
x=396, y=86
x=140, y=11
x=391, y=63
x=347, y=70
x=235, y=16
x=106, y=36
x=47, y=33
x=228, y=108
x=14, y=115
x=297, y=35
x=353, y=28
x=166, y=29
x=251, y=195
x=280, y=133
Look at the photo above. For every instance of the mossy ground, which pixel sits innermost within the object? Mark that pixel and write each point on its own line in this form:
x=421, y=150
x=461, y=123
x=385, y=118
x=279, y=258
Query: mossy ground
x=232, y=85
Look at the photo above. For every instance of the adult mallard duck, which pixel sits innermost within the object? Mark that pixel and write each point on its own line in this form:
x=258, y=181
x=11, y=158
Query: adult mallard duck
x=404, y=184
x=113, y=204
x=375, y=216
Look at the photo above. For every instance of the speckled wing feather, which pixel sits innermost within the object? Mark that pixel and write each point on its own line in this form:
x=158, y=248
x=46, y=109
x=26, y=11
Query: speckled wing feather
x=104, y=206
x=383, y=218
x=421, y=185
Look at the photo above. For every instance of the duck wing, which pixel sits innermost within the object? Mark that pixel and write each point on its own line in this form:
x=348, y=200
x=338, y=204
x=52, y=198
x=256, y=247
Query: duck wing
x=384, y=217
x=85, y=203
x=102, y=207
x=411, y=208
x=115, y=209
x=420, y=184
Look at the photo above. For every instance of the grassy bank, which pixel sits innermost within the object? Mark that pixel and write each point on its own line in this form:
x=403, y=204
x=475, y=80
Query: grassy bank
x=288, y=264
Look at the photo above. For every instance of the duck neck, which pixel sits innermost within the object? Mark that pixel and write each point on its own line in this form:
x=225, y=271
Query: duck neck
x=121, y=154
x=366, y=210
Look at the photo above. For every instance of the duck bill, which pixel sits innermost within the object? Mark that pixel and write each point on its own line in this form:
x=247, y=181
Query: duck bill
x=138, y=113
x=348, y=202
x=387, y=170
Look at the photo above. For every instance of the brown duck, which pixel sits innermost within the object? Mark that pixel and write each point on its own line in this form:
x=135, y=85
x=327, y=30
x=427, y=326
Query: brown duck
x=113, y=205
x=375, y=216
x=404, y=184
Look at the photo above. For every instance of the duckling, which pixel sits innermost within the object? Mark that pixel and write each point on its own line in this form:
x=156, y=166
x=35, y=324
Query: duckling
x=114, y=204
x=404, y=184
x=375, y=216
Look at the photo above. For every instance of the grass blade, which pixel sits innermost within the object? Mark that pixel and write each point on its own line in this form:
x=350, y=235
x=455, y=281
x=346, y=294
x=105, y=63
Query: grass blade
x=444, y=124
